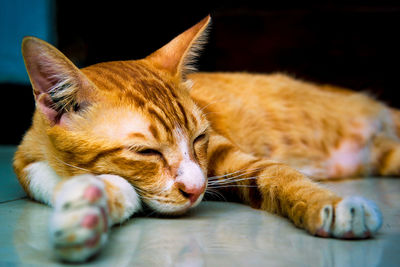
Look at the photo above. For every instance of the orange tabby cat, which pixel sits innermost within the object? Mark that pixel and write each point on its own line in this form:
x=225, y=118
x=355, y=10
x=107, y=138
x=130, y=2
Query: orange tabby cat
x=114, y=136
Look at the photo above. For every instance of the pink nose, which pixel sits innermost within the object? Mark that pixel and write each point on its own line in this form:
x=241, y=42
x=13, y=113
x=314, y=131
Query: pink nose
x=191, y=192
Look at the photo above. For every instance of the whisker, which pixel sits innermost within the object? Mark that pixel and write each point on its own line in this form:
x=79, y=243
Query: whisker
x=225, y=180
x=233, y=185
x=234, y=181
x=211, y=103
x=155, y=197
x=152, y=213
x=220, y=176
x=136, y=188
x=214, y=193
x=243, y=172
x=151, y=198
x=231, y=179
x=140, y=190
x=70, y=165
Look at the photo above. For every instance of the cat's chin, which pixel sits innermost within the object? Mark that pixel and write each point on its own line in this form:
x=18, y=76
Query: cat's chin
x=173, y=209
x=169, y=209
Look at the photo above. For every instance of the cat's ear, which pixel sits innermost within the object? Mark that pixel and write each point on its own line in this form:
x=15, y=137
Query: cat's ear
x=177, y=56
x=54, y=78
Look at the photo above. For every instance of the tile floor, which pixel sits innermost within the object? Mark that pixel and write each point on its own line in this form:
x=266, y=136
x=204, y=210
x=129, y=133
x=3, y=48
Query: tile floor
x=214, y=234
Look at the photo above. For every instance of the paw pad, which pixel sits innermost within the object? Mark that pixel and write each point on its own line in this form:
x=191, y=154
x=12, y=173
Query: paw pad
x=322, y=233
x=90, y=221
x=92, y=193
x=92, y=242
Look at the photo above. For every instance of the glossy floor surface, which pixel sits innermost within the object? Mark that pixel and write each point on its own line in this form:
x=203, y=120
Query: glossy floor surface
x=214, y=234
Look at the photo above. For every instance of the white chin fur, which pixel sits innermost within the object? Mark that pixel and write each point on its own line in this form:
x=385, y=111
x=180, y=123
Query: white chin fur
x=172, y=209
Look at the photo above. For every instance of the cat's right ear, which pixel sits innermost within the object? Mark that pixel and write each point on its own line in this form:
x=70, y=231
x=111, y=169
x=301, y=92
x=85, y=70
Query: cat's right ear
x=178, y=55
x=54, y=78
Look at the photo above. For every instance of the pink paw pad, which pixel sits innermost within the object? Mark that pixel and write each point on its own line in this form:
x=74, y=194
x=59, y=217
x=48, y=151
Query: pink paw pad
x=322, y=233
x=367, y=234
x=93, y=241
x=92, y=193
x=348, y=235
x=90, y=221
x=105, y=222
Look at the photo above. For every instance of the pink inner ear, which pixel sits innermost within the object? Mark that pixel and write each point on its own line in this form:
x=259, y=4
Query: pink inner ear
x=44, y=104
x=43, y=84
x=49, y=70
x=64, y=119
x=40, y=69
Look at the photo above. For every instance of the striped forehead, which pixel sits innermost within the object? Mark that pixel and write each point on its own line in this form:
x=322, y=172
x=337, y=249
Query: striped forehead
x=144, y=88
x=119, y=125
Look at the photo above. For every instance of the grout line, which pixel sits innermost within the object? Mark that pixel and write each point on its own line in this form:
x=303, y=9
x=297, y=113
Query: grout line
x=6, y=201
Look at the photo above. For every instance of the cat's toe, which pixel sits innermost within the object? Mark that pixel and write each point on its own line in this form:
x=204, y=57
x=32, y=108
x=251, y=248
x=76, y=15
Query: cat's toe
x=326, y=215
x=356, y=217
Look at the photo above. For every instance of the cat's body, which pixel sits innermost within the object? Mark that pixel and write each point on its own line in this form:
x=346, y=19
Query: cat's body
x=114, y=135
x=321, y=130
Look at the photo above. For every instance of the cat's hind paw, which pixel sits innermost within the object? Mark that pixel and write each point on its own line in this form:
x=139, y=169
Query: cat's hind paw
x=79, y=223
x=351, y=218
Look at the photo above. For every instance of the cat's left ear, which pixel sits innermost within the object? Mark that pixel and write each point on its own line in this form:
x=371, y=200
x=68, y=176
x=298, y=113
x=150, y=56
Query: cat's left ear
x=177, y=56
x=58, y=85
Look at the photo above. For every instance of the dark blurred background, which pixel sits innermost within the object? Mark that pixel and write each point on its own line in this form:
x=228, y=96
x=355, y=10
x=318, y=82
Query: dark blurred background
x=352, y=44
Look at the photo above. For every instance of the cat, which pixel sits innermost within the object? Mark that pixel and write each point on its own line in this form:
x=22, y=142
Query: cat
x=112, y=138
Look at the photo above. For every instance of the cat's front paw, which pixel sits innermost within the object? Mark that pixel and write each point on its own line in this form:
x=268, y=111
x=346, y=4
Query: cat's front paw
x=350, y=218
x=79, y=223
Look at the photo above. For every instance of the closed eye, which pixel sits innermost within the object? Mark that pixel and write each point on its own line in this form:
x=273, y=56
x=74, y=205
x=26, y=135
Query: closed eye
x=199, y=138
x=149, y=152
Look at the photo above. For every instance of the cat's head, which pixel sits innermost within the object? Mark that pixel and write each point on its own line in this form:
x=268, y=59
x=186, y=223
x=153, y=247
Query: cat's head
x=133, y=118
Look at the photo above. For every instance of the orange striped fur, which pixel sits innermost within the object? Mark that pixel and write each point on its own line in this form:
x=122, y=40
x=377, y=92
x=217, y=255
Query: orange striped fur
x=260, y=136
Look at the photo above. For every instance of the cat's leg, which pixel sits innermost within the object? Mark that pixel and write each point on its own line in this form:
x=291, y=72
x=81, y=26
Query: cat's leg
x=278, y=188
x=84, y=208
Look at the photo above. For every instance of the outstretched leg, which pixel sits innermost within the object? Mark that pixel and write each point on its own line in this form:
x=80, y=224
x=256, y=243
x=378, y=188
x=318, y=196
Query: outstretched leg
x=85, y=206
x=277, y=188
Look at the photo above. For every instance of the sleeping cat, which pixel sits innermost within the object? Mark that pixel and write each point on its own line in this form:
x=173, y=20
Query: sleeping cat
x=111, y=138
